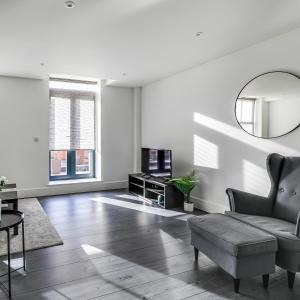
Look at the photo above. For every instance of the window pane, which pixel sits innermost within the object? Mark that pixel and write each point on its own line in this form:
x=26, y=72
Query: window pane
x=59, y=123
x=84, y=162
x=87, y=124
x=83, y=124
x=247, y=111
x=59, y=163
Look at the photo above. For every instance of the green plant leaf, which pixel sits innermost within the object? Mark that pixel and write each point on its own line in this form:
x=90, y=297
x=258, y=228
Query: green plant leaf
x=185, y=184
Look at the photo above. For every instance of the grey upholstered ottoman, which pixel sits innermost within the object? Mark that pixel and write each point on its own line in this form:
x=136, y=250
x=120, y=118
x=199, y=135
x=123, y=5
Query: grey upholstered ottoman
x=240, y=249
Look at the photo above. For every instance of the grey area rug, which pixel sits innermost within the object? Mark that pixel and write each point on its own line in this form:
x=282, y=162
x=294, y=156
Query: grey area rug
x=39, y=232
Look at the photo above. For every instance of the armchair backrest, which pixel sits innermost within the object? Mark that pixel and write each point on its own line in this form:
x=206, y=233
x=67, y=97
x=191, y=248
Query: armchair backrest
x=284, y=173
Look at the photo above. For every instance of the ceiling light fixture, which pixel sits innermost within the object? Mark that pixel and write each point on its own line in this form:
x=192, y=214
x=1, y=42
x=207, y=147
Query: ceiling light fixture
x=199, y=33
x=70, y=4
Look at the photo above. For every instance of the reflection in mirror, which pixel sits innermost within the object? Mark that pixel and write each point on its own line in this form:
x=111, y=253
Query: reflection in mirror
x=269, y=105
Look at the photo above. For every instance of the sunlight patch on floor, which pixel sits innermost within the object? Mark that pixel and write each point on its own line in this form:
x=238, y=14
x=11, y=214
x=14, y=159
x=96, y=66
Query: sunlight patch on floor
x=50, y=295
x=183, y=217
x=16, y=263
x=130, y=197
x=130, y=276
x=91, y=250
x=139, y=207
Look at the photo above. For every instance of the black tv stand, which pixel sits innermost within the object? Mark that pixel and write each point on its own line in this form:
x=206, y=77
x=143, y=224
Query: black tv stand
x=155, y=191
x=146, y=176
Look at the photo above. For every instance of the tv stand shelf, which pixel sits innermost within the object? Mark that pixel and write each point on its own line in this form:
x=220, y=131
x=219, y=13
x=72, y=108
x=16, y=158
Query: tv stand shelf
x=155, y=191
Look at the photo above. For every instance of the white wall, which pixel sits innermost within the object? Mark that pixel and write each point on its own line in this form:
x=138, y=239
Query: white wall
x=137, y=130
x=193, y=113
x=117, y=132
x=24, y=115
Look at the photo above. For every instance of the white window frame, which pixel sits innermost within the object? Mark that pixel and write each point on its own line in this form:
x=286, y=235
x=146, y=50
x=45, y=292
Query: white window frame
x=98, y=144
x=252, y=122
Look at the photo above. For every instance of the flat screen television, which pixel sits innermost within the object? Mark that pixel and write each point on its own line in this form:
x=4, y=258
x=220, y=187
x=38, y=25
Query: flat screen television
x=157, y=162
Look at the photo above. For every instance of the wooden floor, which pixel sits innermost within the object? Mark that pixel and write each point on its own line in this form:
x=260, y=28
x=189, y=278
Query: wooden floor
x=112, y=251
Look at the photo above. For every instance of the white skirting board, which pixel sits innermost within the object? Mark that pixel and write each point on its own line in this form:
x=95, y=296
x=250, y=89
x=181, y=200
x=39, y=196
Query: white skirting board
x=209, y=206
x=81, y=187
x=71, y=188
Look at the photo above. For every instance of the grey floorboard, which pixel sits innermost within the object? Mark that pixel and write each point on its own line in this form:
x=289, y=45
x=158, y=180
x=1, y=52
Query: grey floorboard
x=113, y=252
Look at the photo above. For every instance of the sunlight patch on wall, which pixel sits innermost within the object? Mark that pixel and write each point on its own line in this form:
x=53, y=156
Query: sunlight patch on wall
x=238, y=134
x=205, y=153
x=255, y=179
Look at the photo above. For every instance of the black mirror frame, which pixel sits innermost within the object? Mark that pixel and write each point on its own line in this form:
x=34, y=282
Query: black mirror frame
x=260, y=137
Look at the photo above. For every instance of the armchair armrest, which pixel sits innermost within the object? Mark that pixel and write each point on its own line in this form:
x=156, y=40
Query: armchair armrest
x=247, y=203
x=297, y=231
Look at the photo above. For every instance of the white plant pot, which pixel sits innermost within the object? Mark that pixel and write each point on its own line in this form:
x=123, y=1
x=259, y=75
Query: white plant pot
x=188, y=206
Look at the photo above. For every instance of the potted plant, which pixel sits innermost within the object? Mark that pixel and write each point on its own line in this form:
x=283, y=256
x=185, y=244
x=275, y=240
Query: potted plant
x=185, y=185
x=3, y=181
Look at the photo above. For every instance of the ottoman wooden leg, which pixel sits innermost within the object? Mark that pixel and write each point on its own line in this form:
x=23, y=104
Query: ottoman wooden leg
x=196, y=252
x=291, y=279
x=265, y=279
x=236, y=283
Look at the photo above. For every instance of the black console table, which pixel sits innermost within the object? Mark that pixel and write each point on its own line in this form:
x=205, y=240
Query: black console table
x=155, y=191
x=11, y=219
x=9, y=195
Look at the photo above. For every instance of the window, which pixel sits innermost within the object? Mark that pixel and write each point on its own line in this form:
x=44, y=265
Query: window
x=245, y=113
x=72, y=129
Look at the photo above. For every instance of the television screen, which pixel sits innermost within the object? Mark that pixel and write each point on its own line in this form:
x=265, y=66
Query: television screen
x=157, y=162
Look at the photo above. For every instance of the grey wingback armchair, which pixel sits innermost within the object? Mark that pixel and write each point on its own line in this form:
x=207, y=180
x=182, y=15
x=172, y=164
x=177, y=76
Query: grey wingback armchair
x=279, y=213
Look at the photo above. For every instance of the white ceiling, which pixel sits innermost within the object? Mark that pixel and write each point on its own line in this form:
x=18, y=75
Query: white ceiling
x=146, y=39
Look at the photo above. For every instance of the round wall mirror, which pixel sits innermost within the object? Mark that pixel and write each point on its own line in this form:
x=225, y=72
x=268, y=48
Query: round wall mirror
x=269, y=105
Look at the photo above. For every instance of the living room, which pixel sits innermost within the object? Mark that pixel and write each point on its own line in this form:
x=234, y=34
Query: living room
x=96, y=96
